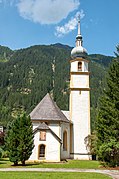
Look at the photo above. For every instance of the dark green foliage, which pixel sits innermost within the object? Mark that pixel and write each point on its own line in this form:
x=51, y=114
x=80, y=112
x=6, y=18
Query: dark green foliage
x=101, y=59
x=12, y=141
x=0, y=152
x=5, y=53
x=19, y=139
x=109, y=153
x=108, y=118
x=26, y=145
x=30, y=73
x=2, y=134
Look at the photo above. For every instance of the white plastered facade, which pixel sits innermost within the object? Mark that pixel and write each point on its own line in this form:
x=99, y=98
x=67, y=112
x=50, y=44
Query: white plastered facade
x=79, y=108
x=54, y=151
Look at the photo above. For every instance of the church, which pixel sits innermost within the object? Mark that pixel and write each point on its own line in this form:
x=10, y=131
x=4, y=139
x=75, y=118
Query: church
x=60, y=135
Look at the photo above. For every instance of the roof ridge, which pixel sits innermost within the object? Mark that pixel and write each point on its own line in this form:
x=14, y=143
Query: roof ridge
x=41, y=126
x=37, y=106
x=47, y=109
x=58, y=109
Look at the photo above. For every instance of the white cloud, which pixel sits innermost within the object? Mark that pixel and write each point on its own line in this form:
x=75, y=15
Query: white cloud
x=46, y=11
x=71, y=25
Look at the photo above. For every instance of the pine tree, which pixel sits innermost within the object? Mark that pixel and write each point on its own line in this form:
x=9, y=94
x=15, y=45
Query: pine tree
x=19, y=139
x=108, y=118
x=25, y=138
x=12, y=142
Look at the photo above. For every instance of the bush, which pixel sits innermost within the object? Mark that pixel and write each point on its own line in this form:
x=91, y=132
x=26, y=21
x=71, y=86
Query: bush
x=1, y=151
x=109, y=153
x=5, y=154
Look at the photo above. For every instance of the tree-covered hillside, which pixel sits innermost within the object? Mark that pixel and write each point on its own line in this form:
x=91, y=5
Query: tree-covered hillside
x=5, y=53
x=26, y=75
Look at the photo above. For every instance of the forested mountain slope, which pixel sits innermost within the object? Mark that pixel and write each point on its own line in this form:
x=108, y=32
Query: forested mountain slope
x=5, y=53
x=26, y=75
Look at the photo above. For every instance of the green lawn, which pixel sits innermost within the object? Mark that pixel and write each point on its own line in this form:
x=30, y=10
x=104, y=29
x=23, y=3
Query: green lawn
x=49, y=175
x=82, y=164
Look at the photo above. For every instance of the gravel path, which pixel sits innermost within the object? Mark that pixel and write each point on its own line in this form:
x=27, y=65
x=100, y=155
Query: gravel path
x=113, y=173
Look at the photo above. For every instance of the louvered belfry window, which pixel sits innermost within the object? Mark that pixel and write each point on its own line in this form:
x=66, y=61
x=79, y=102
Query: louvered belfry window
x=42, y=135
x=79, y=66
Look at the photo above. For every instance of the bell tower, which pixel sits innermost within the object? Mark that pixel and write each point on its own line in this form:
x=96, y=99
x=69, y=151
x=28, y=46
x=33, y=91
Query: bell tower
x=79, y=99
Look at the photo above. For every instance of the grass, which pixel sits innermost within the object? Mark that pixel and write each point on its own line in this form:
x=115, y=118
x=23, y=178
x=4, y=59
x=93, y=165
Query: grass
x=53, y=175
x=70, y=164
x=81, y=164
x=5, y=163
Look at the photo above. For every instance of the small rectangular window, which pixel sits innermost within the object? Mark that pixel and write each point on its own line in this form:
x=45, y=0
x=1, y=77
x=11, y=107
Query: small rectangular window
x=42, y=135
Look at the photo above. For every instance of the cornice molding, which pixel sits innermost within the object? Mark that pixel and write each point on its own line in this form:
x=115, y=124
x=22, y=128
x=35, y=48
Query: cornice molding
x=79, y=73
x=80, y=89
x=79, y=59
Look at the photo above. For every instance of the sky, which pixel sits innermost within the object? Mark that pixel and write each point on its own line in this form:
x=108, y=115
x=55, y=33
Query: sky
x=24, y=23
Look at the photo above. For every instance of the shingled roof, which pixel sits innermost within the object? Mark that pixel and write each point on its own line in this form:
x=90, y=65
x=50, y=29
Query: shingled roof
x=42, y=126
x=48, y=110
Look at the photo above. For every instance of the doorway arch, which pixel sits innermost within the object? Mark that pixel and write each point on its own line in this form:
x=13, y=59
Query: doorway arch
x=41, y=153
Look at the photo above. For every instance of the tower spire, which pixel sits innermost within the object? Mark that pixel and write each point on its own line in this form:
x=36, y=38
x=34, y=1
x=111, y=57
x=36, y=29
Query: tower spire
x=79, y=50
x=79, y=40
x=79, y=26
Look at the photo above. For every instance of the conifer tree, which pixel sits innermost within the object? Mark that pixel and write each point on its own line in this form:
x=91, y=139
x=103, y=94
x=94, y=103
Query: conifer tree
x=12, y=142
x=108, y=118
x=26, y=145
x=19, y=139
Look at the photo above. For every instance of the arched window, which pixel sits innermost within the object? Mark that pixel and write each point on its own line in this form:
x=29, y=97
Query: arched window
x=79, y=66
x=64, y=140
x=41, y=151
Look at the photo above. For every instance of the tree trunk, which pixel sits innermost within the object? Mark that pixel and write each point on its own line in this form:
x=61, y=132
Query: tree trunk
x=16, y=163
x=23, y=162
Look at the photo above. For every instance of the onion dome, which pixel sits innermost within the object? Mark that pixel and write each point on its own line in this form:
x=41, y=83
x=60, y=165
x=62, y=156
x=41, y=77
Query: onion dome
x=79, y=50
